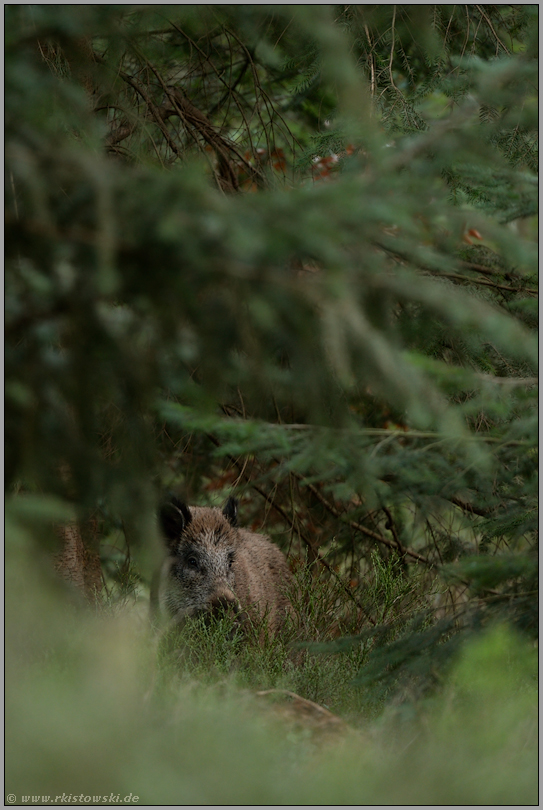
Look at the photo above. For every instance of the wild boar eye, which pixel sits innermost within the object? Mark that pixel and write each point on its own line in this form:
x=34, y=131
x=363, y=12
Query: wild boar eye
x=192, y=562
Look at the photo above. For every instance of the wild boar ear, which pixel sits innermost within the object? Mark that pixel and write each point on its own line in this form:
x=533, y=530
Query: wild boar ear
x=175, y=516
x=230, y=511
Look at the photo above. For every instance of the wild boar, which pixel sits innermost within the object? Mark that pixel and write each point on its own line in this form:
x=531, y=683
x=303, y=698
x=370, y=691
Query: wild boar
x=213, y=566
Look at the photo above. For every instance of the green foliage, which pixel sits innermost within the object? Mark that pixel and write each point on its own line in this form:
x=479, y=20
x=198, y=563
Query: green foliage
x=287, y=253
x=93, y=710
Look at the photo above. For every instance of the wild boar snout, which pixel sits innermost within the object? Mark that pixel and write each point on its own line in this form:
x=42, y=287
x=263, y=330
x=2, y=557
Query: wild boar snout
x=224, y=603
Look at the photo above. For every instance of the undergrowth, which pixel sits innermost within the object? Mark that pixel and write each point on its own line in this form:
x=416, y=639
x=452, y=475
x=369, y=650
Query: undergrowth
x=99, y=703
x=216, y=652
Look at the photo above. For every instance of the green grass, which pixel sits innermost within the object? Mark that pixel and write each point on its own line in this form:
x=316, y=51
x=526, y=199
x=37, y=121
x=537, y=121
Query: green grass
x=98, y=703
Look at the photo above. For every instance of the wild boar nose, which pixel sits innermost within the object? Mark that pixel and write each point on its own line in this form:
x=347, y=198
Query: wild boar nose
x=224, y=604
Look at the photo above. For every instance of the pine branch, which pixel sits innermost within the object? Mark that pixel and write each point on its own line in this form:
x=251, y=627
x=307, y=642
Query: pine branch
x=484, y=283
x=363, y=530
x=415, y=261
